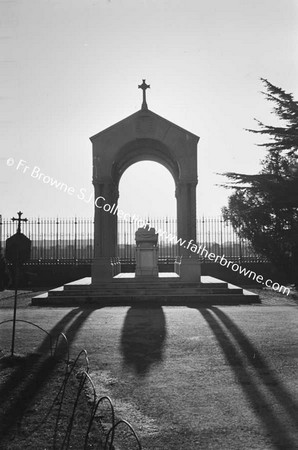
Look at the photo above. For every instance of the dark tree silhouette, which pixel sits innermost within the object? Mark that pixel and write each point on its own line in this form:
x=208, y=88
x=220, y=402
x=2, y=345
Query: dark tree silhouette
x=264, y=206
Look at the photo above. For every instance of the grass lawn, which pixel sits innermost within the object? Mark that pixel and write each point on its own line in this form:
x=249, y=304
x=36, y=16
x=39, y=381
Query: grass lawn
x=28, y=410
x=196, y=378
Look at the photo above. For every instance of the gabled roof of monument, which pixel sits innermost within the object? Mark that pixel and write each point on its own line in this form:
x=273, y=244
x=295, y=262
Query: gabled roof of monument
x=133, y=117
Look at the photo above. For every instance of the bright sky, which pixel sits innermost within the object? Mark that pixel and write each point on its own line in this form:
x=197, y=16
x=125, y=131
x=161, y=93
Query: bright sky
x=71, y=68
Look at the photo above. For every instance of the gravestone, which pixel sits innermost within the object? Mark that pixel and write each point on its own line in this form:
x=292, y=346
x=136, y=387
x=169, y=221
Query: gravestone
x=146, y=253
x=18, y=246
x=18, y=249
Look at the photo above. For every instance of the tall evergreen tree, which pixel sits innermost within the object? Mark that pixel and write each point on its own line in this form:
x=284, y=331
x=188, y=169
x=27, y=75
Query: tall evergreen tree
x=264, y=207
x=284, y=137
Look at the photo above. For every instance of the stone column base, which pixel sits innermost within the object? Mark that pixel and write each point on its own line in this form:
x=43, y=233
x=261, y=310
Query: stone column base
x=101, y=270
x=190, y=269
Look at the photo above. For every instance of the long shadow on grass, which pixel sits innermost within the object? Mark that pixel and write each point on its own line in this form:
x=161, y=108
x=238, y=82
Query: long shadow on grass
x=221, y=325
x=267, y=376
x=143, y=336
x=21, y=373
x=33, y=371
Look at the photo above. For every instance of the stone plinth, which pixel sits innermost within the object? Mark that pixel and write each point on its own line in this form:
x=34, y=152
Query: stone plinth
x=190, y=269
x=101, y=270
x=146, y=253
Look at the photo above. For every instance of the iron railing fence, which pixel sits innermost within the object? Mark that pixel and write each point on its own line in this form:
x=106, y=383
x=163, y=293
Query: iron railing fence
x=69, y=240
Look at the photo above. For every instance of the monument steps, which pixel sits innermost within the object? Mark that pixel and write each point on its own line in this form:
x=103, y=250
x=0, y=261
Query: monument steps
x=203, y=300
x=114, y=293
x=153, y=285
x=152, y=292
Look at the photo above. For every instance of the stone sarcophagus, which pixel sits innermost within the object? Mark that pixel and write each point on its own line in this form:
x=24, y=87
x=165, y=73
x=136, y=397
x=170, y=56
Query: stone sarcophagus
x=146, y=253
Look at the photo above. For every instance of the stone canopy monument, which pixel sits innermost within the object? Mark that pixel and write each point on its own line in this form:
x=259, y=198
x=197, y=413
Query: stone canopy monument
x=143, y=136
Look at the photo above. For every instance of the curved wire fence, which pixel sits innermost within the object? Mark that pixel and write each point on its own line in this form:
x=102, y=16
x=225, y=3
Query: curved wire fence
x=64, y=409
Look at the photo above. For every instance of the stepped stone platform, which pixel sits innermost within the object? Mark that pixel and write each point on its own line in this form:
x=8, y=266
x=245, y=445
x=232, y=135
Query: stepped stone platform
x=125, y=289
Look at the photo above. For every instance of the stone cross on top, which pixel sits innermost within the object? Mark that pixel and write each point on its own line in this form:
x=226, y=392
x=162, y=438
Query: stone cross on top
x=19, y=220
x=144, y=86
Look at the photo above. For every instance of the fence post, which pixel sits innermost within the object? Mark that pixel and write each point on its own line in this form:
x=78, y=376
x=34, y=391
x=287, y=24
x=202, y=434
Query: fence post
x=221, y=240
x=75, y=239
x=0, y=233
x=57, y=237
x=240, y=248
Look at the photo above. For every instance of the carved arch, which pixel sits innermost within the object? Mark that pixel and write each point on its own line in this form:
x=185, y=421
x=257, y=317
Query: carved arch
x=144, y=150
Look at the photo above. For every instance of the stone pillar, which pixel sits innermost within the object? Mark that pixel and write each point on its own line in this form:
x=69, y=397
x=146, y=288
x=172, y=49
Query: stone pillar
x=105, y=229
x=190, y=269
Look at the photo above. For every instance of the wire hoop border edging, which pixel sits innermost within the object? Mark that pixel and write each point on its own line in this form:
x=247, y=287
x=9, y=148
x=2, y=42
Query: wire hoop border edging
x=92, y=417
x=114, y=428
x=35, y=325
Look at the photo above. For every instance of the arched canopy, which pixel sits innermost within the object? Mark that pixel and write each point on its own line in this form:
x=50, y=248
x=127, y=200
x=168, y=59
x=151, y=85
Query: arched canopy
x=142, y=136
x=143, y=150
